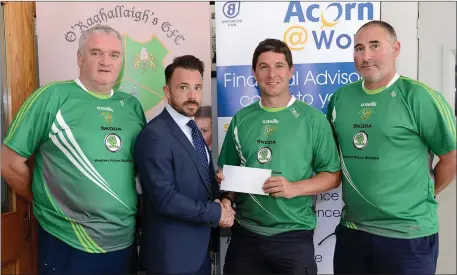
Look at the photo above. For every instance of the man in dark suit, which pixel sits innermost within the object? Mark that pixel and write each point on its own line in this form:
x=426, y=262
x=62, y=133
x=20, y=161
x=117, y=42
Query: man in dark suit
x=181, y=194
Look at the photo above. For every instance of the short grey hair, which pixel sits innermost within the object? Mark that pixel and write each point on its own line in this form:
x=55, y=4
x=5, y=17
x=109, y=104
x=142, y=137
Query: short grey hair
x=383, y=24
x=99, y=29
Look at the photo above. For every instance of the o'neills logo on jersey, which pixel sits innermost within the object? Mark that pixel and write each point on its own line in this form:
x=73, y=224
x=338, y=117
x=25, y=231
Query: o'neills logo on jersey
x=361, y=126
x=103, y=128
x=105, y=109
x=266, y=141
x=369, y=104
x=270, y=121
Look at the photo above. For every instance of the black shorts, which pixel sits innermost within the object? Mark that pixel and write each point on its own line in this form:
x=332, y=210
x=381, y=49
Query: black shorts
x=358, y=252
x=57, y=257
x=286, y=253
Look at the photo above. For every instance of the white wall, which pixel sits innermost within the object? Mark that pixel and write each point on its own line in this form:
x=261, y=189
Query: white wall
x=402, y=16
x=438, y=28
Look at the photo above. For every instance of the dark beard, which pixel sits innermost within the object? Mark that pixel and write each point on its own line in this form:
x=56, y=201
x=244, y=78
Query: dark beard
x=181, y=110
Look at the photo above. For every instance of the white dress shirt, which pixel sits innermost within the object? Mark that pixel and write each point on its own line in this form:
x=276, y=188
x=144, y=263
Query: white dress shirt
x=182, y=120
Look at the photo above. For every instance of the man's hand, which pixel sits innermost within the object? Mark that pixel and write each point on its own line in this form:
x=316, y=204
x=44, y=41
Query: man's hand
x=445, y=171
x=219, y=176
x=280, y=187
x=227, y=216
x=227, y=204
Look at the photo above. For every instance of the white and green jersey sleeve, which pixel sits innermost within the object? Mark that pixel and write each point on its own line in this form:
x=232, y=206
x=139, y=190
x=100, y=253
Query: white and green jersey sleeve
x=84, y=177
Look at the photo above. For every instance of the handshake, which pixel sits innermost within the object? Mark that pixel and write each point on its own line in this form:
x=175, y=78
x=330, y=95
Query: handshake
x=227, y=213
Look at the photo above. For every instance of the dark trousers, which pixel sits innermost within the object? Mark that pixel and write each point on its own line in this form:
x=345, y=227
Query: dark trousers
x=358, y=252
x=57, y=257
x=285, y=253
x=205, y=268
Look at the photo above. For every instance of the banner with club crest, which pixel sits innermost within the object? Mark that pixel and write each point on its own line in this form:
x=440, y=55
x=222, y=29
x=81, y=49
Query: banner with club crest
x=321, y=37
x=154, y=33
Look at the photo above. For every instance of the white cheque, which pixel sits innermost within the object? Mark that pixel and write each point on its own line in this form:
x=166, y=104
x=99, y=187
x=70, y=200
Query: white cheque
x=244, y=179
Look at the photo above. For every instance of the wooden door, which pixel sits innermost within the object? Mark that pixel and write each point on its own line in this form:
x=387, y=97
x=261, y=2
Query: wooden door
x=18, y=73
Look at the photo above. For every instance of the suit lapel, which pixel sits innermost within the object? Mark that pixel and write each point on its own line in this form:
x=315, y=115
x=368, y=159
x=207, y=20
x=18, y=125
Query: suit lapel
x=181, y=137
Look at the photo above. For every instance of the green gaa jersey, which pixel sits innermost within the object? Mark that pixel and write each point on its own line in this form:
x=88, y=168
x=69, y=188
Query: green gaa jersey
x=386, y=139
x=84, y=178
x=293, y=142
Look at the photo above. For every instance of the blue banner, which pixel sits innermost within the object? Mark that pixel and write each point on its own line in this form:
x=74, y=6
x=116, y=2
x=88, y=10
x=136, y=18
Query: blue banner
x=312, y=83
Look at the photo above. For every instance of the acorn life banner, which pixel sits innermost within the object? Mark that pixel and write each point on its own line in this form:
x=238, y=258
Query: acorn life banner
x=321, y=37
x=154, y=33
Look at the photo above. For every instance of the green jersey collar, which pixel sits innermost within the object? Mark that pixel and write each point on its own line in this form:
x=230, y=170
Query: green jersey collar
x=376, y=91
x=277, y=109
x=80, y=84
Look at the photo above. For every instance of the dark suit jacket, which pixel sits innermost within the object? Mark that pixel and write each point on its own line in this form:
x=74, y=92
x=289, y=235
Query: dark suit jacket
x=180, y=214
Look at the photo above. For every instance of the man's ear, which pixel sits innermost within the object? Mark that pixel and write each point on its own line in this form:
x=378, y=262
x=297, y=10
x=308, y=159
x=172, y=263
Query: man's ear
x=291, y=73
x=396, y=47
x=79, y=59
x=166, y=91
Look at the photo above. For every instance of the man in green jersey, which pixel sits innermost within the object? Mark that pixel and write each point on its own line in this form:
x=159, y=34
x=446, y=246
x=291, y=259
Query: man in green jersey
x=388, y=127
x=274, y=233
x=82, y=135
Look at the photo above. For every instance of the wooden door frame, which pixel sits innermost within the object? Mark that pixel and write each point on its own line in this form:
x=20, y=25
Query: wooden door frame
x=21, y=81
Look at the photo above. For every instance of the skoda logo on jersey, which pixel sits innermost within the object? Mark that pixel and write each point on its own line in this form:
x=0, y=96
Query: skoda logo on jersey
x=360, y=140
x=266, y=141
x=264, y=155
x=113, y=142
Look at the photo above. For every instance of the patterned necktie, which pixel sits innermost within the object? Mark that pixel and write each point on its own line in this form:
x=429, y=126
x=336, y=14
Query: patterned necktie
x=199, y=144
